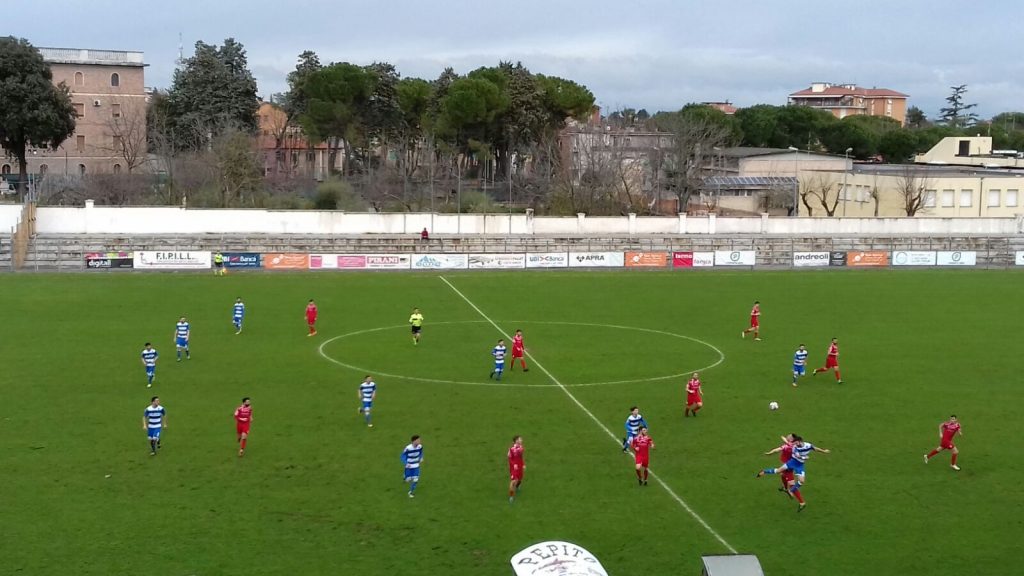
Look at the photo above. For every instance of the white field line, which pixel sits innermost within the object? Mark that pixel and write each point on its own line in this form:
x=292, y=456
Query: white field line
x=586, y=411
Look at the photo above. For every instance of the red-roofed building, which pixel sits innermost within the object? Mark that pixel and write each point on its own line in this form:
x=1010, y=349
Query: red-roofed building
x=726, y=107
x=844, y=100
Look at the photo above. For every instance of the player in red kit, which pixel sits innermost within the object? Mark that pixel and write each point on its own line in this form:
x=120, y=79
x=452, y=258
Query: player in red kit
x=518, y=351
x=515, y=467
x=785, y=452
x=831, y=361
x=755, y=322
x=947, y=430
x=311, y=317
x=694, y=396
x=642, y=446
x=243, y=418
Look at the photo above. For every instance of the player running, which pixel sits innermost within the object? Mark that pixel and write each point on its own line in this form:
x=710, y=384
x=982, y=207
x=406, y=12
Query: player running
x=831, y=361
x=238, y=314
x=182, y=334
x=515, y=467
x=416, y=323
x=755, y=322
x=633, y=424
x=518, y=350
x=499, y=360
x=947, y=430
x=367, y=394
x=243, y=419
x=149, y=357
x=642, y=446
x=694, y=396
x=801, y=452
x=412, y=457
x=311, y=313
x=799, y=363
x=154, y=419
x=785, y=452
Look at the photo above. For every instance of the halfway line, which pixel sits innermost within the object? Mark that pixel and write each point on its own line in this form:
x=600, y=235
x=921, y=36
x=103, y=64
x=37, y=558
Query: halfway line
x=594, y=418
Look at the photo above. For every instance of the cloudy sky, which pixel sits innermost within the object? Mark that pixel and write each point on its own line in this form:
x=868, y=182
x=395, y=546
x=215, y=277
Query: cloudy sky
x=654, y=54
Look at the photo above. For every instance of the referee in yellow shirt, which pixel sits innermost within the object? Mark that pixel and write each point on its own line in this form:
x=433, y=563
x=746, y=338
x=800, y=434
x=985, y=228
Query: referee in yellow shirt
x=416, y=321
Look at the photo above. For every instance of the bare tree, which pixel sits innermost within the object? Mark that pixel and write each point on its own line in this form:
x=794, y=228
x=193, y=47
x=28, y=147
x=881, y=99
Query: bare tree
x=234, y=158
x=126, y=128
x=912, y=187
x=693, y=143
x=875, y=192
x=818, y=191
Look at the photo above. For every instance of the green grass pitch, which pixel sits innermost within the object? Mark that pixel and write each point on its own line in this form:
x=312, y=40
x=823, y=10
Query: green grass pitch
x=320, y=493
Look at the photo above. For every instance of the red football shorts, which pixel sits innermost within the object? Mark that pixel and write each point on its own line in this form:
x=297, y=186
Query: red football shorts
x=947, y=445
x=754, y=322
x=644, y=461
x=517, y=352
x=831, y=362
x=242, y=428
x=515, y=472
x=787, y=476
x=310, y=321
x=692, y=399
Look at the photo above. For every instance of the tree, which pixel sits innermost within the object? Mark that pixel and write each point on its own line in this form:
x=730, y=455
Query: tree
x=213, y=88
x=694, y=140
x=127, y=131
x=957, y=113
x=912, y=188
x=845, y=134
x=818, y=191
x=292, y=104
x=916, y=118
x=34, y=112
x=338, y=95
x=898, y=146
x=237, y=165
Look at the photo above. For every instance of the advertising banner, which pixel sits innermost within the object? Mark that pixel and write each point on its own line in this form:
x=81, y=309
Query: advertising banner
x=735, y=257
x=241, y=259
x=703, y=259
x=548, y=260
x=810, y=259
x=286, y=261
x=388, y=261
x=596, y=260
x=864, y=259
x=440, y=261
x=904, y=258
x=682, y=259
x=837, y=258
x=646, y=259
x=108, y=260
x=180, y=260
x=337, y=262
x=497, y=261
x=1019, y=258
x=956, y=258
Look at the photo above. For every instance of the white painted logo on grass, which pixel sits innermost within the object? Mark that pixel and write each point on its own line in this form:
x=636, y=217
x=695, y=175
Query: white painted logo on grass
x=555, y=557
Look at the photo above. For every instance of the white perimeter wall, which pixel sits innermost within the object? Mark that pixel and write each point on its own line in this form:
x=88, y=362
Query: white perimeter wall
x=9, y=216
x=169, y=220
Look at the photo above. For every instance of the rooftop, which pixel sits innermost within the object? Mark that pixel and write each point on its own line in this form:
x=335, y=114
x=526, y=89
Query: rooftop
x=821, y=89
x=933, y=171
x=93, y=57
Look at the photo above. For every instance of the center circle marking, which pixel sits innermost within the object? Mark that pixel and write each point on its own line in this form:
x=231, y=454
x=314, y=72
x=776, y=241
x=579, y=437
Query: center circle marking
x=721, y=356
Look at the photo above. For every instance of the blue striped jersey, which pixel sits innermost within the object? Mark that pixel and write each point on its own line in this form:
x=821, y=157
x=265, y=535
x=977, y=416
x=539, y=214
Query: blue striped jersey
x=149, y=356
x=181, y=329
x=154, y=416
x=800, y=358
x=239, y=310
x=412, y=455
x=367, y=389
x=499, y=353
x=802, y=452
x=633, y=424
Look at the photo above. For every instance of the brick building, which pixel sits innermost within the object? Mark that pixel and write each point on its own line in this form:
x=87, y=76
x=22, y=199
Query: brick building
x=844, y=100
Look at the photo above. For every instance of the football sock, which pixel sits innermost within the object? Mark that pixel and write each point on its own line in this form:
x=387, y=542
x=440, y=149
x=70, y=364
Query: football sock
x=639, y=475
x=152, y=445
x=785, y=486
x=412, y=486
x=179, y=354
x=932, y=453
x=795, y=488
x=367, y=415
x=645, y=474
x=243, y=443
x=799, y=497
x=150, y=379
x=954, y=459
x=838, y=378
x=769, y=470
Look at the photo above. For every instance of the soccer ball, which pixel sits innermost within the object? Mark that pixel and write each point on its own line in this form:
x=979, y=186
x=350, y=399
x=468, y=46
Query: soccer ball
x=773, y=405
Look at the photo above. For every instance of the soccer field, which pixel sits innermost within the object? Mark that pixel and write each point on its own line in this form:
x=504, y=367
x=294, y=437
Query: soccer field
x=320, y=493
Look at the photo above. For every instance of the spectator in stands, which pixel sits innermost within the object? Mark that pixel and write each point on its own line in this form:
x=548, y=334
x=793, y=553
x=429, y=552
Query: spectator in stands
x=425, y=236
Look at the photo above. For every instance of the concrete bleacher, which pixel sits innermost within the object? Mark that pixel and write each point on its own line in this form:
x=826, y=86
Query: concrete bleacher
x=67, y=251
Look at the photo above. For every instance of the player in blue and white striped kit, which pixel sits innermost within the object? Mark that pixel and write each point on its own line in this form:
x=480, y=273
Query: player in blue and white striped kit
x=367, y=393
x=154, y=419
x=182, y=332
x=237, y=314
x=499, y=360
x=633, y=424
x=149, y=356
x=801, y=452
x=799, y=363
x=412, y=457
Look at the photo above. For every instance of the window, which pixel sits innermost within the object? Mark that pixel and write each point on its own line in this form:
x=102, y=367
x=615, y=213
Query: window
x=115, y=80
x=80, y=143
x=948, y=198
x=993, y=198
x=81, y=169
x=42, y=169
x=966, y=197
x=310, y=157
x=1011, y=198
x=79, y=79
x=117, y=168
x=79, y=109
x=929, y=198
x=5, y=169
x=118, y=142
x=115, y=110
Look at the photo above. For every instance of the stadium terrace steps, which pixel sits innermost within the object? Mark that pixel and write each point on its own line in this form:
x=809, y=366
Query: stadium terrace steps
x=66, y=251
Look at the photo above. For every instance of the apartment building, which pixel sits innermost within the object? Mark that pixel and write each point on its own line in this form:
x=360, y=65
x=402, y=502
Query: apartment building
x=844, y=100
